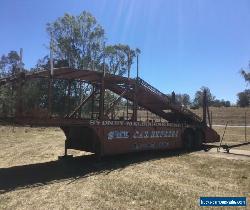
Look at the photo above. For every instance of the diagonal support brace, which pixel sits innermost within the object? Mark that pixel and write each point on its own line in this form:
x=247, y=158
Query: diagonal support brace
x=84, y=101
x=115, y=102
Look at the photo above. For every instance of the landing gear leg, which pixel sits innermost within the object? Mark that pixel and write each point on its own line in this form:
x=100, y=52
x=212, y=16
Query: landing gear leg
x=65, y=156
x=65, y=148
x=98, y=156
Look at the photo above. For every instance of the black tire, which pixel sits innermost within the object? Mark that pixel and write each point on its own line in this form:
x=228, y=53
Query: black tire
x=199, y=139
x=188, y=140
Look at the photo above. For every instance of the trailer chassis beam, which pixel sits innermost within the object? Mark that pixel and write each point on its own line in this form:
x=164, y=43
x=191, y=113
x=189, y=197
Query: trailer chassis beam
x=228, y=147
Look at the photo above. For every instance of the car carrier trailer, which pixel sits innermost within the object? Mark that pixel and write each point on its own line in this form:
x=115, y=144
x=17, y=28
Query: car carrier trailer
x=101, y=132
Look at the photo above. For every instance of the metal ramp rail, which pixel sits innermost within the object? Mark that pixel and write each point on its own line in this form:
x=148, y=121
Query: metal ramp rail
x=153, y=89
x=174, y=107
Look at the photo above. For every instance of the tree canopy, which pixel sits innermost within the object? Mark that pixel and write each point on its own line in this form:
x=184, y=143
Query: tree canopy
x=245, y=74
x=198, y=99
x=244, y=98
x=9, y=64
x=79, y=42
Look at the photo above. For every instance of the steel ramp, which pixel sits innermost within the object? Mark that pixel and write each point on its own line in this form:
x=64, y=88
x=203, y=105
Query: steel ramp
x=147, y=96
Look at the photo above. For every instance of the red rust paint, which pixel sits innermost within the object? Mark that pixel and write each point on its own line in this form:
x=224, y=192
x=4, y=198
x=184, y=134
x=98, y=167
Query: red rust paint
x=106, y=135
x=116, y=137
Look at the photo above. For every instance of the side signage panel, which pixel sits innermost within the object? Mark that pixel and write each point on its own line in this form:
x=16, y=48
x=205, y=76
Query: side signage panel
x=123, y=134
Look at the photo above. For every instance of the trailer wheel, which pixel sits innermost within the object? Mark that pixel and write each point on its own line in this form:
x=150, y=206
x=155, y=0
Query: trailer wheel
x=199, y=138
x=188, y=140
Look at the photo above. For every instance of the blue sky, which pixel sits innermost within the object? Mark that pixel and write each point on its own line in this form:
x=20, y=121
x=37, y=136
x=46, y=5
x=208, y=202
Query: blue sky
x=185, y=44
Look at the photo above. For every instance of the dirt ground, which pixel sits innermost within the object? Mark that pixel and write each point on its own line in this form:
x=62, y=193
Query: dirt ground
x=32, y=177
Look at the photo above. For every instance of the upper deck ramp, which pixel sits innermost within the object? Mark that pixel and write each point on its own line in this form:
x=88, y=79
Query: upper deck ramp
x=136, y=90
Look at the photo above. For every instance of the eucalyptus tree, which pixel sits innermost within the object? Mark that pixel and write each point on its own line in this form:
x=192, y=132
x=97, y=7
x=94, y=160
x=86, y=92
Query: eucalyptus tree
x=198, y=99
x=245, y=74
x=77, y=39
x=9, y=64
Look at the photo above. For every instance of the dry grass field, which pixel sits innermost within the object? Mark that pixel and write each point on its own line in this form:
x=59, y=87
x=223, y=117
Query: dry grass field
x=220, y=115
x=32, y=177
x=232, y=115
x=234, y=135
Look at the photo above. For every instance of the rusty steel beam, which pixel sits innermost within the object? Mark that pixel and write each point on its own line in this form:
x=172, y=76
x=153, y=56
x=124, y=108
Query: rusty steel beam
x=50, y=92
x=114, y=103
x=144, y=95
x=81, y=104
x=68, y=96
x=53, y=122
x=135, y=104
x=88, y=75
x=101, y=102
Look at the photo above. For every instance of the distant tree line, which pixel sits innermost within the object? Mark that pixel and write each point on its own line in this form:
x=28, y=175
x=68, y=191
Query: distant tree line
x=243, y=98
x=197, y=102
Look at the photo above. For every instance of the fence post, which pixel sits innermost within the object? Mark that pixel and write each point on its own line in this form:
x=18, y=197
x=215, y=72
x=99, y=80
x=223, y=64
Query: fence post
x=245, y=126
x=218, y=148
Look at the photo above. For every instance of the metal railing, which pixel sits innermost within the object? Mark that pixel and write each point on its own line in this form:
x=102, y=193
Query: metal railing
x=177, y=107
x=153, y=89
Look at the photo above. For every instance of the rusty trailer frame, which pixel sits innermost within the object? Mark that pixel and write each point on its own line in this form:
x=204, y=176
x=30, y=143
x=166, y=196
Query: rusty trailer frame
x=101, y=132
